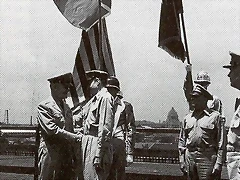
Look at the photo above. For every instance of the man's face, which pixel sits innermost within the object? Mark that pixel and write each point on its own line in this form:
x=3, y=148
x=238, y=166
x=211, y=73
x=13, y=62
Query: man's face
x=94, y=84
x=60, y=90
x=199, y=102
x=204, y=84
x=234, y=76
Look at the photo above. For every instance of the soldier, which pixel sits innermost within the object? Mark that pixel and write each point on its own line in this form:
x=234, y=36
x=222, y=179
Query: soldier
x=97, y=116
x=56, y=125
x=203, y=79
x=201, y=139
x=123, y=131
x=233, y=142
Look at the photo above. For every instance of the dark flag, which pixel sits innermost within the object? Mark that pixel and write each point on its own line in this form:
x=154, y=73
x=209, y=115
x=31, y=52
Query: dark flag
x=169, y=30
x=83, y=13
x=88, y=58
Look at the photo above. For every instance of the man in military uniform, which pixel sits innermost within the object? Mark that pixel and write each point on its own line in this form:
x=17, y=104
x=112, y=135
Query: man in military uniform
x=203, y=79
x=56, y=127
x=233, y=142
x=201, y=141
x=123, y=132
x=97, y=116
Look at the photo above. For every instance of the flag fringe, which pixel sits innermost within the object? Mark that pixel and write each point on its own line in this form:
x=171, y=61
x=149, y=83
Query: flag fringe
x=170, y=52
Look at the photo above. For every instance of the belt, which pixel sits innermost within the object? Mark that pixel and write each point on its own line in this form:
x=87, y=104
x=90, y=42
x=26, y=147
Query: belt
x=200, y=149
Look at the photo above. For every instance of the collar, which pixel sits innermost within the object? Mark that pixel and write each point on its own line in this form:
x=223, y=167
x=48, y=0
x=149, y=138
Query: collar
x=206, y=111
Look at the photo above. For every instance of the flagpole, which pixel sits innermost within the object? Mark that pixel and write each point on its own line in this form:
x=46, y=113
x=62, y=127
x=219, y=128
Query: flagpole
x=185, y=38
x=100, y=35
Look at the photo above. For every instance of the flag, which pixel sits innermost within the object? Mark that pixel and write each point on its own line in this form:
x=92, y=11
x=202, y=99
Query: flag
x=169, y=29
x=88, y=58
x=83, y=13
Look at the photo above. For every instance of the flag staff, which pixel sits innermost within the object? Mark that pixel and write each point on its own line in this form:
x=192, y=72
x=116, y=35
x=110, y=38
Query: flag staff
x=185, y=38
x=100, y=35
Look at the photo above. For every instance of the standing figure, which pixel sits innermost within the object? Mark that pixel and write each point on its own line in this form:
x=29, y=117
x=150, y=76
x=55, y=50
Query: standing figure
x=97, y=116
x=56, y=132
x=123, y=132
x=233, y=142
x=201, y=140
x=203, y=79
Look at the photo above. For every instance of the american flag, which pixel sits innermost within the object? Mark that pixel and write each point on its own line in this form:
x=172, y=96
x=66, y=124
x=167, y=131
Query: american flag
x=88, y=58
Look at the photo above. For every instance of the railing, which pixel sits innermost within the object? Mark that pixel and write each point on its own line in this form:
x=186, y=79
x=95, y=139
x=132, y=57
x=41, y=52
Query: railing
x=20, y=150
x=149, y=162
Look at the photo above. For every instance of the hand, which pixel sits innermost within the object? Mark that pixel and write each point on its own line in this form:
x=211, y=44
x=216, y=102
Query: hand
x=188, y=68
x=183, y=168
x=96, y=163
x=217, y=170
x=78, y=137
x=129, y=159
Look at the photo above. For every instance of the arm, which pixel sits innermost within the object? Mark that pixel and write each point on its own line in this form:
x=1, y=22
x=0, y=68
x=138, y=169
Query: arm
x=182, y=147
x=106, y=120
x=221, y=139
x=188, y=85
x=46, y=122
x=130, y=128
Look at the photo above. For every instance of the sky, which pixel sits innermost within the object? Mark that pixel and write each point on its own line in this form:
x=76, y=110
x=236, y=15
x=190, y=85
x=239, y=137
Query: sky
x=37, y=42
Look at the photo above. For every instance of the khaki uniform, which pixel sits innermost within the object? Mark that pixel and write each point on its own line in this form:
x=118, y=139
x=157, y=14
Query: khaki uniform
x=98, y=118
x=55, y=150
x=123, y=142
x=233, y=147
x=201, y=140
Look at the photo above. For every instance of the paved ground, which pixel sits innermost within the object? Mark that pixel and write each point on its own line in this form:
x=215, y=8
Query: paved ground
x=138, y=168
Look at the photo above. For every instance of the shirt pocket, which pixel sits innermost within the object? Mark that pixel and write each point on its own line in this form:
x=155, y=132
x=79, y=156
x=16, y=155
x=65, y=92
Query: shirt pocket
x=188, y=128
x=207, y=126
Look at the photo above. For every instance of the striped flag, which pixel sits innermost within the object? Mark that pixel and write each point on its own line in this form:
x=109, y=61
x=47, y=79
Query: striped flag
x=83, y=13
x=88, y=58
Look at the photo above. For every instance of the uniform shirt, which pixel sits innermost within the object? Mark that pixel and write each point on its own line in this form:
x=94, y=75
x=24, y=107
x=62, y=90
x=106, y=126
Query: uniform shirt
x=205, y=131
x=125, y=127
x=233, y=143
x=56, y=122
x=98, y=118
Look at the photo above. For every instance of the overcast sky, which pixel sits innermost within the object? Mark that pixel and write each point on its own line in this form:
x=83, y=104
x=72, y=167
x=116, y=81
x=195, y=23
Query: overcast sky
x=37, y=42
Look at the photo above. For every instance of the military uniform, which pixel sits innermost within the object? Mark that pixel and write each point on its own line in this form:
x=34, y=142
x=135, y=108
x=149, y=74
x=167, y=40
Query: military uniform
x=55, y=155
x=56, y=132
x=123, y=142
x=97, y=117
x=233, y=138
x=201, y=143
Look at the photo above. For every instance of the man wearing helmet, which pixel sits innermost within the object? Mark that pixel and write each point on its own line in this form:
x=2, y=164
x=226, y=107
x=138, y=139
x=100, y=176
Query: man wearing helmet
x=203, y=79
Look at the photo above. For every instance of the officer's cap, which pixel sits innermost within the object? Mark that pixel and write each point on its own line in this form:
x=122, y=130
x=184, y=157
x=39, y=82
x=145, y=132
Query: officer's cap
x=64, y=79
x=235, y=61
x=113, y=83
x=96, y=73
x=200, y=90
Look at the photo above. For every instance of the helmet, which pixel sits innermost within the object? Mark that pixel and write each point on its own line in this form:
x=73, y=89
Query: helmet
x=202, y=76
x=113, y=82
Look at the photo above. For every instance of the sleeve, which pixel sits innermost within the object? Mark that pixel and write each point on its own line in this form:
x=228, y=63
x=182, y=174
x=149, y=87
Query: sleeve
x=187, y=88
x=130, y=129
x=106, y=120
x=217, y=105
x=232, y=136
x=182, y=141
x=46, y=122
x=221, y=139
